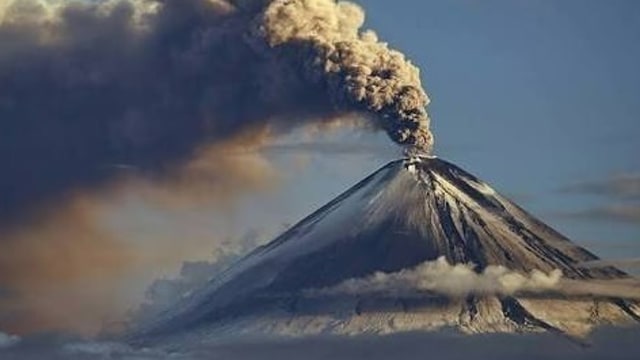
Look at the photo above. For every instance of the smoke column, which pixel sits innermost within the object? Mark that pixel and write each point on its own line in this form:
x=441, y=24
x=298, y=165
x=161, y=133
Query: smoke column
x=156, y=92
x=357, y=70
x=145, y=82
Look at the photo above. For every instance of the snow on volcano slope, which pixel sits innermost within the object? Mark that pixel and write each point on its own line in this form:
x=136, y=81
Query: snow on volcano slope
x=408, y=212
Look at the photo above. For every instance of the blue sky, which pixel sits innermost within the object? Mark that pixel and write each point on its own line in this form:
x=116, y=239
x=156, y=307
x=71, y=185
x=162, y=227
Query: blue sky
x=532, y=97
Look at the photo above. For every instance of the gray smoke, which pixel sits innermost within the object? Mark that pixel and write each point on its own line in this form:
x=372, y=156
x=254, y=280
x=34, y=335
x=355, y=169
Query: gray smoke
x=325, y=38
x=147, y=82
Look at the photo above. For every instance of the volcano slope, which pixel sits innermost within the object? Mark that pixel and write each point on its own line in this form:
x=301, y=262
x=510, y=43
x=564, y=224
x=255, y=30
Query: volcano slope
x=409, y=212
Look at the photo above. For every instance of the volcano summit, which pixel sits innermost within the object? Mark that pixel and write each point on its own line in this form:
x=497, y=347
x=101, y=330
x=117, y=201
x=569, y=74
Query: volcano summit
x=419, y=244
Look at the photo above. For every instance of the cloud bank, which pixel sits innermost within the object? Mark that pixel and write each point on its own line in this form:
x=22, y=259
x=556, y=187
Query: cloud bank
x=453, y=280
x=459, y=280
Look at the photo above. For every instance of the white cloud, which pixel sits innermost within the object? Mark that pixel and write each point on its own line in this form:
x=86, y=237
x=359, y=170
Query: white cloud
x=461, y=279
x=454, y=280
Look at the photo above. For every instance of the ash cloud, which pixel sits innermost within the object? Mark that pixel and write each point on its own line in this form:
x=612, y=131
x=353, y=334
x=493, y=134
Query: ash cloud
x=328, y=148
x=357, y=70
x=146, y=82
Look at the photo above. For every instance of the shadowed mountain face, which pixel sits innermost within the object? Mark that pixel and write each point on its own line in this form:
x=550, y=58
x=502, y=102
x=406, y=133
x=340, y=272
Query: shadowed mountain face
x=406, y=213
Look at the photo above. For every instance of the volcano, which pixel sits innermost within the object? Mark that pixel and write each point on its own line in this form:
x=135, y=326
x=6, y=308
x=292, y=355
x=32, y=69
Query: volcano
x=409, y=212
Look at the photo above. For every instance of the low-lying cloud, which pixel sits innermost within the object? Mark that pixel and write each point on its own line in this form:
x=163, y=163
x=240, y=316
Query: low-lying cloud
x=460, y=280
x=452, y=280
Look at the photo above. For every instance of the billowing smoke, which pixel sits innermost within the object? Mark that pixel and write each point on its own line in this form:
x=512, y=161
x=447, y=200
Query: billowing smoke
x=99, y=95
x=460, y=280
x=324, y=38
x=86, y=85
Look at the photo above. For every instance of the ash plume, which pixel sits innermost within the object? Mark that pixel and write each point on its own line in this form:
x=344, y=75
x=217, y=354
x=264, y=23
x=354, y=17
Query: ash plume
x=323, y=37
x=146, y=82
